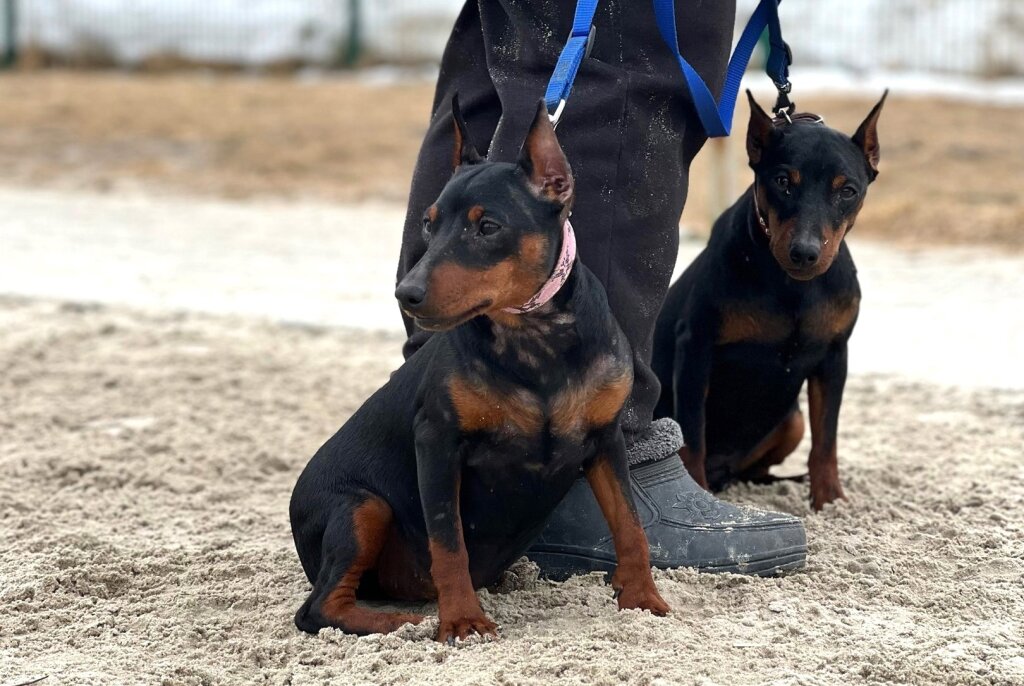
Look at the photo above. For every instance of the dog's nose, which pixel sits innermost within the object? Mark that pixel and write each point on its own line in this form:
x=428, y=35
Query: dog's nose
x=410, y=295
x=804, y=253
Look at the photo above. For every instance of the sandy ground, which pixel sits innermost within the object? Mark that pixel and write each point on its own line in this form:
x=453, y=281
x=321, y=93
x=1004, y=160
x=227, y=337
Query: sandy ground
x=951, y=169
x=148, y=460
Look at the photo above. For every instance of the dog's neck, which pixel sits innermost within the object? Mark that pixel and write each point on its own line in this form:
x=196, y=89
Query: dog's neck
x=755, y=221
x=760, y=218
x=529, y=346
x=559, y=274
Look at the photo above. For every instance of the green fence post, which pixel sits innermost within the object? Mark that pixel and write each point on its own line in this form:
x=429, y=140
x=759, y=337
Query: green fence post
x=354, y=45
x=10, y=16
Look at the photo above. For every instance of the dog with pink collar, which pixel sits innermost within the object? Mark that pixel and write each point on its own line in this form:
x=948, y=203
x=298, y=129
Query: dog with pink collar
x=448, y=472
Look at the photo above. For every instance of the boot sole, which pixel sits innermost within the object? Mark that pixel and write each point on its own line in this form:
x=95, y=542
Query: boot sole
x=561, y=566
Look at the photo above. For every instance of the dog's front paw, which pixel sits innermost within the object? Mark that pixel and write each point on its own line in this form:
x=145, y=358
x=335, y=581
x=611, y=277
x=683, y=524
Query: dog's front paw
x=642, y=597
x=824, y=493
x=460, y=628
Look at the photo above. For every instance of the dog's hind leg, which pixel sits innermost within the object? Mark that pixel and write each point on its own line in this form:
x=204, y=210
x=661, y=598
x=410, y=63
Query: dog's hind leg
x=352, y=544
x=772, y=450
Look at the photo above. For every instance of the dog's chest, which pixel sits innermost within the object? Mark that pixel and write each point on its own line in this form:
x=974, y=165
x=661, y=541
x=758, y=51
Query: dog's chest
x=506, y=414
x=807, y=325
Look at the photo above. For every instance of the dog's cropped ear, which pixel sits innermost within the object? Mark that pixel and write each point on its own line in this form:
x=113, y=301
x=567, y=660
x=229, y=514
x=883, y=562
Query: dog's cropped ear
x=866, y=137
x=544, y=162
x=464, y=152
x=759, y=130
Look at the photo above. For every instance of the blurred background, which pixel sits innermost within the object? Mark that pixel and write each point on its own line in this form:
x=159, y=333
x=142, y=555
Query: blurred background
x=253, y=156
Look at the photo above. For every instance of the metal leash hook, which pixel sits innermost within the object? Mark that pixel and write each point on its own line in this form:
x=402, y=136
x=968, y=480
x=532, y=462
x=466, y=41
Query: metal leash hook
x=557, y=114
x=784, y=107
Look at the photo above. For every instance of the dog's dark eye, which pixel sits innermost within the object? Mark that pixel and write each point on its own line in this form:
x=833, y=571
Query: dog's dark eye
x=426, y=225
x=489, y=228
x=848, y=193
x=782, y=182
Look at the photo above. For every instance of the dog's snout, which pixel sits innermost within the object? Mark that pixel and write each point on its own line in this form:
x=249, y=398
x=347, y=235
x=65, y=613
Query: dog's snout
x=804, y=253
x=410, y=295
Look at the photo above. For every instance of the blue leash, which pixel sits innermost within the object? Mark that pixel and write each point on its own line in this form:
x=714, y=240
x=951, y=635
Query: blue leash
x=716, y=118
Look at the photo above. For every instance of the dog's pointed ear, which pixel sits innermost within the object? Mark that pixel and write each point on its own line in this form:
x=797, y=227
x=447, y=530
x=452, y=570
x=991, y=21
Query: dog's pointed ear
x=866, y=137
x=464, y=152
x=544, y=162
x=759, y=130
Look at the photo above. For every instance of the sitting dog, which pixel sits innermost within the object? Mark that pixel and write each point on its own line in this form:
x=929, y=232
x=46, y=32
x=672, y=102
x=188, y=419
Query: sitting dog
x=447, y=473
x=770, y=303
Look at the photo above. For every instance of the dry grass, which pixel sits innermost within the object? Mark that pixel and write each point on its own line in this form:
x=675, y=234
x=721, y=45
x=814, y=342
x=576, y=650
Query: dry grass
x=951, y=171
x=228, y=135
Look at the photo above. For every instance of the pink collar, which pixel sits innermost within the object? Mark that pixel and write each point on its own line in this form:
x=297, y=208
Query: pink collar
x=558, y=277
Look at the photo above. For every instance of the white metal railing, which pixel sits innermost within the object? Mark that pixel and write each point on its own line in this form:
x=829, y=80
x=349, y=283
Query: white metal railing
x=967, y=37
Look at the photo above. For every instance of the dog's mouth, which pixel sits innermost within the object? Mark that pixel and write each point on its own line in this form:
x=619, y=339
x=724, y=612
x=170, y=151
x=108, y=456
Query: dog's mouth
x=805, y=273
x=445, y=323
x=802, y=274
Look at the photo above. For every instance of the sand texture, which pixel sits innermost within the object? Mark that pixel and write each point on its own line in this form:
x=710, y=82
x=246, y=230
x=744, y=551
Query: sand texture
x=147, y=462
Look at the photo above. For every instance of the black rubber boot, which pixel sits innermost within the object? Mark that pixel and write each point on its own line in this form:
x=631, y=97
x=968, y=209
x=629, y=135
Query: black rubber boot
x=685, y=525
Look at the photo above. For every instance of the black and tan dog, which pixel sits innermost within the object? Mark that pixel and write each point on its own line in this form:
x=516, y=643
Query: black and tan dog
x=446, y=474
x=769, y=304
